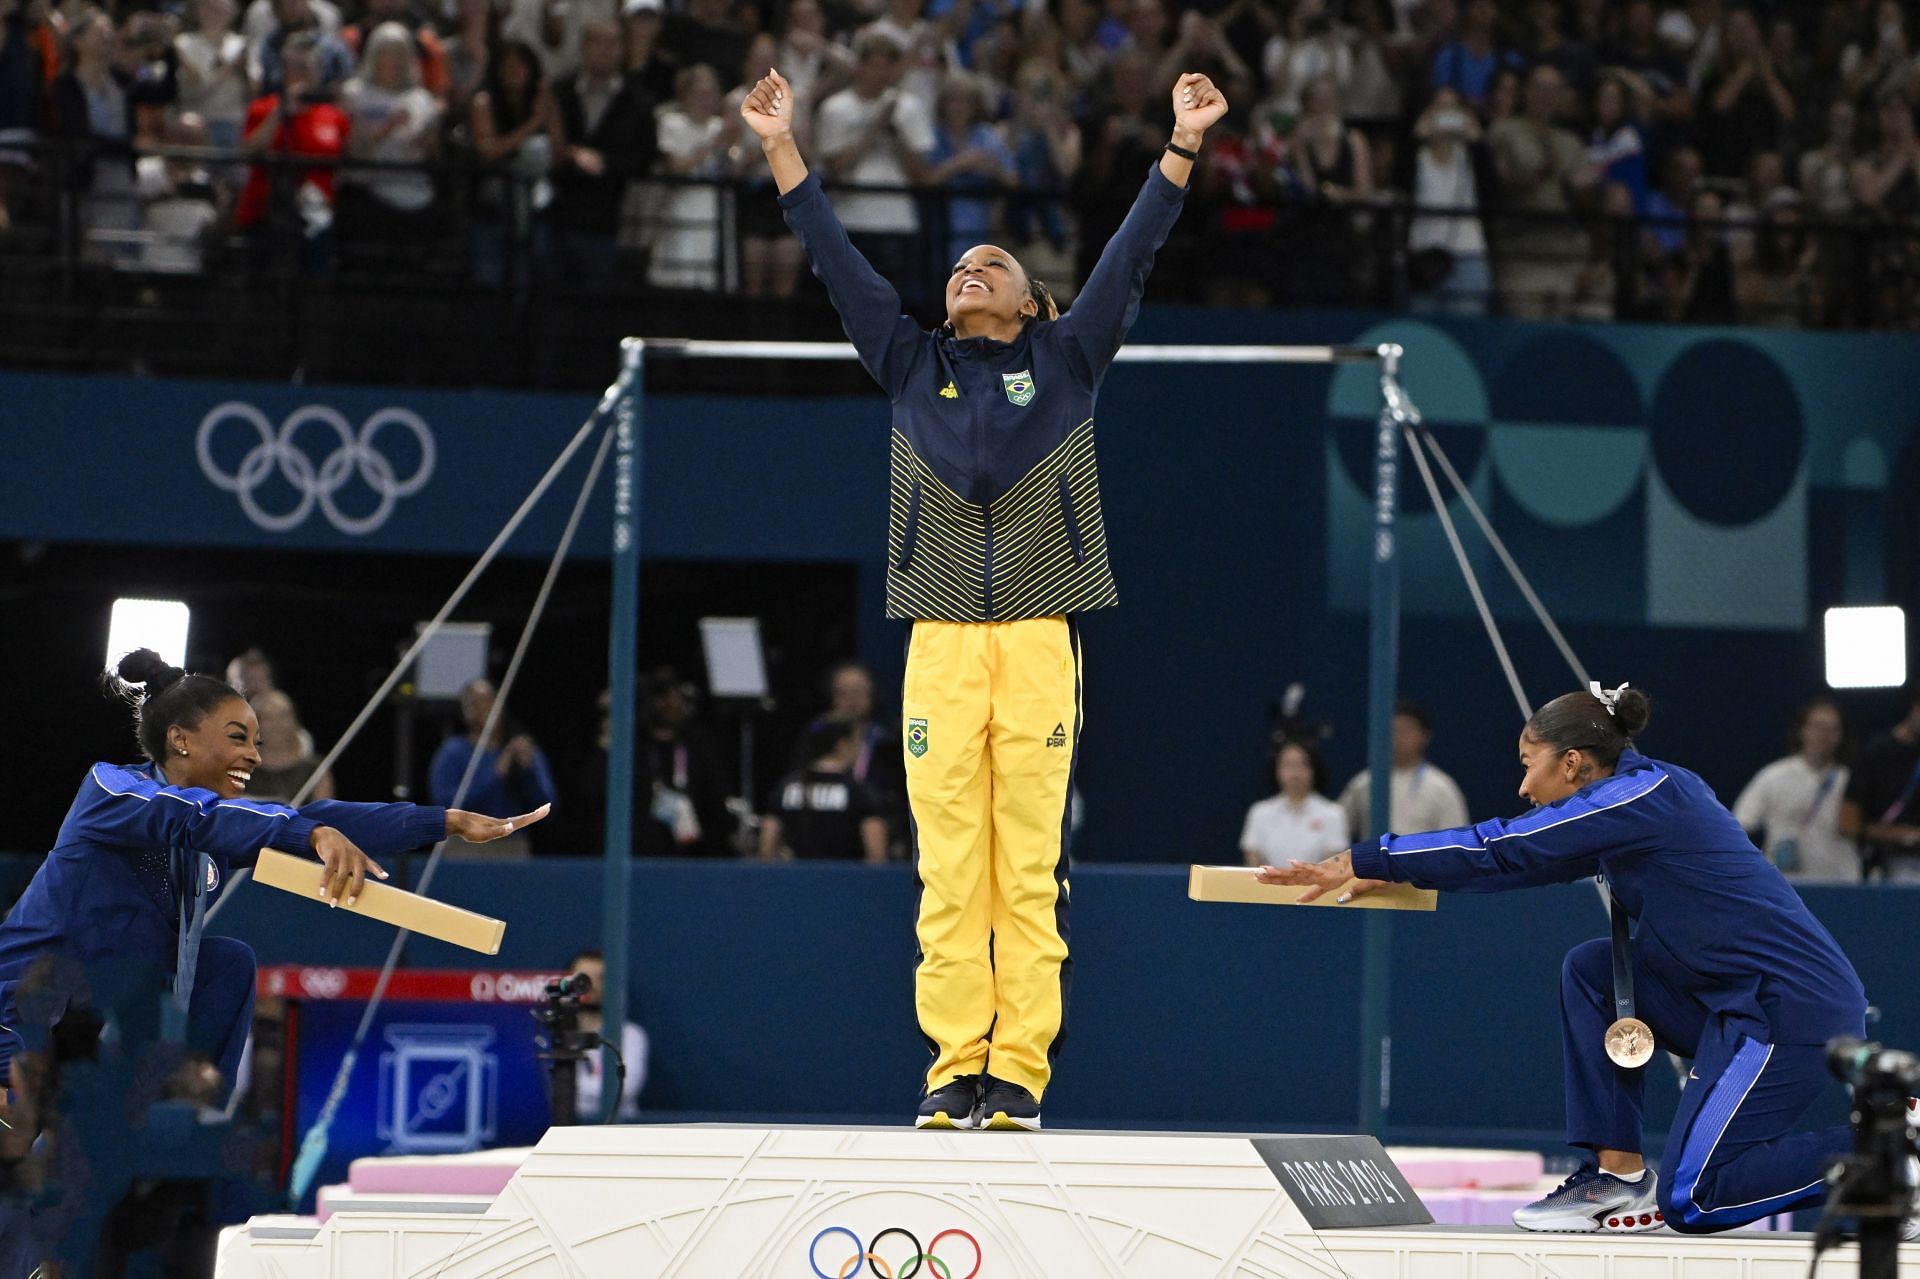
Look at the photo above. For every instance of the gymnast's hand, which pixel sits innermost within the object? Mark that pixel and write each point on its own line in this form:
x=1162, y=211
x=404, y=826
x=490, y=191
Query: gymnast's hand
x=344, y=866
x=1320, y=878
x=768, y=108
x=478, y=828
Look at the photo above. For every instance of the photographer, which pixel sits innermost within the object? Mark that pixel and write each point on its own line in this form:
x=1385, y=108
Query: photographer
x=589, y=1084
x=299, y=120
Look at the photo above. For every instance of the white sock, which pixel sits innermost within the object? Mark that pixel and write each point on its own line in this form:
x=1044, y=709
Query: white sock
x=1631, y=1178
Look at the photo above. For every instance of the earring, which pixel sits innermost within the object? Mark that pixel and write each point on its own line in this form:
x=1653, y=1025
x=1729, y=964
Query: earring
x=183, y=750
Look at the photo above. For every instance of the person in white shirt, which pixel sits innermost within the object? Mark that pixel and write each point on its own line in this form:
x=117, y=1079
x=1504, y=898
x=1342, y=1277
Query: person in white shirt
x=1299, y=823
x=1449, y=252
x=1422, y=798
x=874, y=133
x=588, y=1080
x=1792, y=806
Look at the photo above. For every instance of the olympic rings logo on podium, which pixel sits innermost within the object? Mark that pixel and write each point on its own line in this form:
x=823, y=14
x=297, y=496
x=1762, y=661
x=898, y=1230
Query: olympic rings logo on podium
x=869, y=1255
x=316, y=484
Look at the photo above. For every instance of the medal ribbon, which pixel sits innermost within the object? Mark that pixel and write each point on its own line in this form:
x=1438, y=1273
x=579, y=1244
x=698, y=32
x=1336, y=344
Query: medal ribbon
x=1622, y=960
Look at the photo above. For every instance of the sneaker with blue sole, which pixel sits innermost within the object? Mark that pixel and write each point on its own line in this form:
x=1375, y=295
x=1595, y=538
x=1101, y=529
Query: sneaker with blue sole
x=951, y=1105
x=1591, y=1201
x=1007, y=1107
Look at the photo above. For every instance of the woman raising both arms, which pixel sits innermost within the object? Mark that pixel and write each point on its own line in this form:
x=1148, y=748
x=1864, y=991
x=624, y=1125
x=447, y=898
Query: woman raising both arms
x=996, y=542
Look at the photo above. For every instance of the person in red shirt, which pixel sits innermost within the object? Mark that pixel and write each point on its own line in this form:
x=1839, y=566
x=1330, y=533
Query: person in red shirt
x=301, y=120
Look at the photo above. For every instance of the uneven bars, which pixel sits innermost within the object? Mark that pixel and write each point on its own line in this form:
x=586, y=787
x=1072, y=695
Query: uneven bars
x=715, y=349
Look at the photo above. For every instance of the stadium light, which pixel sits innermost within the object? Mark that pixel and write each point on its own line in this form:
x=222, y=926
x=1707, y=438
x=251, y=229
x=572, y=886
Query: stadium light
x=1866, y=647
x=160, y=625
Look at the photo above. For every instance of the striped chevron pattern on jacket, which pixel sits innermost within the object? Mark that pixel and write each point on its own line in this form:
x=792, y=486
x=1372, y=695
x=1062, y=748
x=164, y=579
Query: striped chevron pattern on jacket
x=1037, y=550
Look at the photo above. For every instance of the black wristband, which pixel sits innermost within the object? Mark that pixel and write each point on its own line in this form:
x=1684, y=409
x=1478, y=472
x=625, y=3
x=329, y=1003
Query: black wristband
x=1182, y=152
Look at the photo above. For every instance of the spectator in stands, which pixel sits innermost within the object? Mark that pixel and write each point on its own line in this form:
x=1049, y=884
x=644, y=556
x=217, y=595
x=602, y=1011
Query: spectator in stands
x=332, y=60
x=1468, y=63
x=287, y=761
x=93, y=104
x=589, y=1085
x=1883, y=800
x=392, y=120
x=1046, y=147
x=1826, y=171
x=1374, y=94
x=510, y=775
x=970, y=160
x=1299, y=823
x=1791, y=808
x=770, y=258
x=469, y=48
x=1667, y=208
x=434, y=73
x=300, y=120
x=703, y=35
x=1202, y=46
x=648, y=62
x=1779, y=284
x=1766, y=177
x=1447, y=253
x=1540, y=168
x=922, y=41
x=1421, y=797
x=1336, y=170
x=1618, y=150
x=688, y=795
x=822, y=811
x=813, y=63
x=1548, y=45
x=515, y=127
x=1609, y=284
x=1639, y=50
x=1699, y=286
x=262, y=19
x=179, y=207
x=551, y=29
x=1886, y=183
x=1123, y=135
x=212, y=58
x=695, y=134
x=607, y=139
x=875, y=133
x=1748, y=103
x=1879, y=63
x=23, y=114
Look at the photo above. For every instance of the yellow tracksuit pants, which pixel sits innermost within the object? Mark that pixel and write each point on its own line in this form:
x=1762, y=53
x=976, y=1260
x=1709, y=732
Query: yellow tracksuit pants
x=991, y=722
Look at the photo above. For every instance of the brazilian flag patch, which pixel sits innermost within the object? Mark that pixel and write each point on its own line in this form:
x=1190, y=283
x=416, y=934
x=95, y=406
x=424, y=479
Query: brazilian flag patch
x=1019, y=386
x=916, y=737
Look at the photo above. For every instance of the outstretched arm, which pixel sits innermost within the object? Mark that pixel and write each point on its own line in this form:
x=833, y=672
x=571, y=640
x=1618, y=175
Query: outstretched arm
x=869, y=307
x=1107, y=303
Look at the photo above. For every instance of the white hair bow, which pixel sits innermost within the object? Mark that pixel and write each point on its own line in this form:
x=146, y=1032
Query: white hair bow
x=1609, y=698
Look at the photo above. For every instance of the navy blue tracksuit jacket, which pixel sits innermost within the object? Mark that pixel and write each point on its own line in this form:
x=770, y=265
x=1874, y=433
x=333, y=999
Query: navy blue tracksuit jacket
x=995, y=499
x=1730, y=969
x=112, y=886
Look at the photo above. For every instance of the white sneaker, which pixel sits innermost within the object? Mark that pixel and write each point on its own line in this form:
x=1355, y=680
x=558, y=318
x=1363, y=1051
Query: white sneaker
x=1591, y=1200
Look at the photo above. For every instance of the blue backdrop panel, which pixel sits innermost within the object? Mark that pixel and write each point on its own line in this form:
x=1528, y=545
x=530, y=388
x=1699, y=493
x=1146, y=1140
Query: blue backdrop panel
x=786, y=991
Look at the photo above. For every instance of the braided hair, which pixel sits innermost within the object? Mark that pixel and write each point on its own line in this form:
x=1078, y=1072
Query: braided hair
x=162, y=695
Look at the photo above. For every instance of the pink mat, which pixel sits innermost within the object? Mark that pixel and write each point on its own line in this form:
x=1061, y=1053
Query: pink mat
x=1440, y=1169
x=482, y=1173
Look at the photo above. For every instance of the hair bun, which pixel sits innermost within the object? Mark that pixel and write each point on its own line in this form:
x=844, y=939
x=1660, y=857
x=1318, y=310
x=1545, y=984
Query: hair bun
x=1632, y=711
x=144, y=666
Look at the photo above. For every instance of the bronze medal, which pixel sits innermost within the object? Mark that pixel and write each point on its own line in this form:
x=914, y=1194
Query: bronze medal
x=1630, y=1043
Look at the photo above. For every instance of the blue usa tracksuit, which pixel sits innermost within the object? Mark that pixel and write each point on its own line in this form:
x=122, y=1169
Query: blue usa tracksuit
x=123, y=876
x=1730, y=970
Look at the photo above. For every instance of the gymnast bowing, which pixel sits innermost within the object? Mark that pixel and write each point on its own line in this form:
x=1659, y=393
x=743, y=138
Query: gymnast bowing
x=147, y=847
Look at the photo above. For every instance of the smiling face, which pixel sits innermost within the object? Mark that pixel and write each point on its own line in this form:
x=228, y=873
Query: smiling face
x=988, y=290
x=222, y=750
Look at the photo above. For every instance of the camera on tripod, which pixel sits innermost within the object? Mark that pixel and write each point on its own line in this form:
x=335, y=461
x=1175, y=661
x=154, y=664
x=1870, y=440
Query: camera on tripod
x=1875, y=1184
x=563, y=1045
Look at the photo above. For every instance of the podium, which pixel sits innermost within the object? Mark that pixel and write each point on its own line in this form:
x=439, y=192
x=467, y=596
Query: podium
x=714, y=1201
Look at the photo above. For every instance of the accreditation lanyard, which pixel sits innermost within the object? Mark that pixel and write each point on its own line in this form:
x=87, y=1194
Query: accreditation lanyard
x=1819, y=797
x=1899, y=807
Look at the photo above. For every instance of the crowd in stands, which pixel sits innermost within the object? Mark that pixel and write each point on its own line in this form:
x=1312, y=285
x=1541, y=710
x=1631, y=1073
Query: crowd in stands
x=1700, y=160
x=1825, y=812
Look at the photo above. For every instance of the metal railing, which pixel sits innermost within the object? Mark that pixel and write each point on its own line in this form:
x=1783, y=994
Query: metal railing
x=109, y=254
